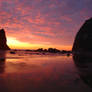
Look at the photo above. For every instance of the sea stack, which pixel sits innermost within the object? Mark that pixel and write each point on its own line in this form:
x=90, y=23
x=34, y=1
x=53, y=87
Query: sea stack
x=83, y=39
x=3, y=40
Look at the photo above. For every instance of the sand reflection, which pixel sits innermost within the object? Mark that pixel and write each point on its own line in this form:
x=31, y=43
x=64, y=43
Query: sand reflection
x=84, y=66
x=38, y=74
x=2, y=61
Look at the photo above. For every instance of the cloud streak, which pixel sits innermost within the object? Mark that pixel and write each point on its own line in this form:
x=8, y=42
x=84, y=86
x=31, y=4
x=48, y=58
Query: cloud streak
x=44, y=21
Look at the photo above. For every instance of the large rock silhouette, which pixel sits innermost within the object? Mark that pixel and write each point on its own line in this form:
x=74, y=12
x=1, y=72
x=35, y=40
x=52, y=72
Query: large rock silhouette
x=83, y=39
x=3, y=40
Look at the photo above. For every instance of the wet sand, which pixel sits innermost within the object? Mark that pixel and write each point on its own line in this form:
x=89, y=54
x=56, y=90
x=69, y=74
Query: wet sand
x=32, y=72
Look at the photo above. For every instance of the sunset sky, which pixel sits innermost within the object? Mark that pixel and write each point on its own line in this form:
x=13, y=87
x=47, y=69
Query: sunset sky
x=31, y=24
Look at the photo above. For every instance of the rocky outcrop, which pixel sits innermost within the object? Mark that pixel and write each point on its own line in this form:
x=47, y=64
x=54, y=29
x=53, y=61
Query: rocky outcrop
x=3, y=40
x=83, y=39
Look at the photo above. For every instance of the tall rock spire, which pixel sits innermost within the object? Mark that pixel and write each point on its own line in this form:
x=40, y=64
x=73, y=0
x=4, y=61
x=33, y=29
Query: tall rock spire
x=3, y=40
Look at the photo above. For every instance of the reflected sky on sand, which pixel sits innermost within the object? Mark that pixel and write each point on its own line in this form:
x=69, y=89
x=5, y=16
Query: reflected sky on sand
x=32, y=72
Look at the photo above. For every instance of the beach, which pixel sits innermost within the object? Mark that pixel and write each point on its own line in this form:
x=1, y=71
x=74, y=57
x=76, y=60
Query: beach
x=26, y=71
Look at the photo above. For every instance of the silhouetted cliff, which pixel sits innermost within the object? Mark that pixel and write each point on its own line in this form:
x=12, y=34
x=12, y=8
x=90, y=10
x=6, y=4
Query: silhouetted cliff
x=3, y=41
x=83, y=39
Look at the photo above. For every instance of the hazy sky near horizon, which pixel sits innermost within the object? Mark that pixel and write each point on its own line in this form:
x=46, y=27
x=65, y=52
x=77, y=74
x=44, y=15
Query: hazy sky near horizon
x=44, y=22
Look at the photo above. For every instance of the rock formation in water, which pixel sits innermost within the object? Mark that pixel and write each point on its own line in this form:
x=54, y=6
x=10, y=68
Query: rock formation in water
x=3, y=40
x=83, y=39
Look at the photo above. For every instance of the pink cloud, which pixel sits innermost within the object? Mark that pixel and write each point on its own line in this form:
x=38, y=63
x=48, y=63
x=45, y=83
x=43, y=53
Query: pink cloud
x=43, y=21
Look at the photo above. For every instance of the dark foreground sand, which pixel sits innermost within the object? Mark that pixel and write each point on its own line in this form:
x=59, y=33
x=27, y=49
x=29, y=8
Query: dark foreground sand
x=33, y=72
